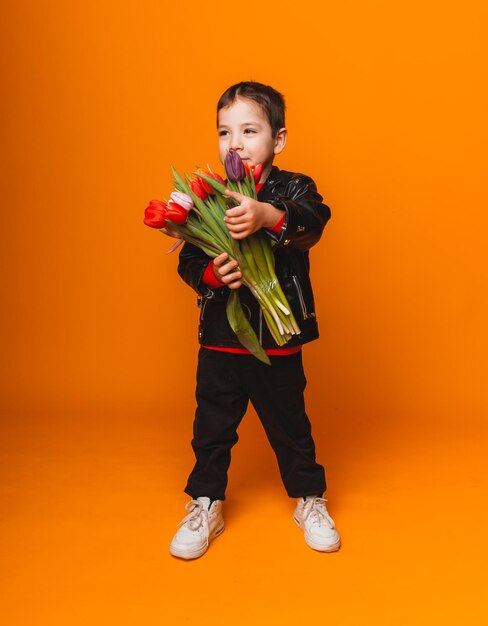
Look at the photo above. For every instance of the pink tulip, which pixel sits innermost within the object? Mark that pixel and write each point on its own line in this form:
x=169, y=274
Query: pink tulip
x=182, y=199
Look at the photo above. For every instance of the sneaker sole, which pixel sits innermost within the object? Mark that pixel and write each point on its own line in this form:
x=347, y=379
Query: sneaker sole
x=186, y=554
x=332, y=548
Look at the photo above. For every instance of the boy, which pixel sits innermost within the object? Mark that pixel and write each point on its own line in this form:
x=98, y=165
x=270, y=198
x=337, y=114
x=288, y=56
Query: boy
x=251, y=121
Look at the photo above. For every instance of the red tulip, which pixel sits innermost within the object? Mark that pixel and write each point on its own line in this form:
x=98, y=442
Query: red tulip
x=155, y=214
x=198, y=188
x=176, y=213
x=215, y=176
x=207, y=186
x=255, y=170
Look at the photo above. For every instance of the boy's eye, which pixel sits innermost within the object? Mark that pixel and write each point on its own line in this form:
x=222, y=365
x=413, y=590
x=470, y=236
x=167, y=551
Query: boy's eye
x=223, y=132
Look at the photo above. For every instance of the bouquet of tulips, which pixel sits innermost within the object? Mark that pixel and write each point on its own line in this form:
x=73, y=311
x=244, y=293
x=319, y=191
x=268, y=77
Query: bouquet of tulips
x=196, y=213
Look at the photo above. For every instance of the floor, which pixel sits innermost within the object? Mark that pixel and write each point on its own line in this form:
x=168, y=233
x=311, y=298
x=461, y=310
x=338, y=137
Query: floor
x=90, y=503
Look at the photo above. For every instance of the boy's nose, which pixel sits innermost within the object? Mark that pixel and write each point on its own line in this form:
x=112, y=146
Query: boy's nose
x=236, y=144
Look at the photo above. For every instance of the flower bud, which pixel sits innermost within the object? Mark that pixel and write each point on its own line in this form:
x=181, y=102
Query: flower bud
x=215, y=176
x=176, y=213
x=257, y=172
x=206, y=185
x=254, y=170
x=234, y=166
x=198, y=189
x=183, y=199
x=155, y=214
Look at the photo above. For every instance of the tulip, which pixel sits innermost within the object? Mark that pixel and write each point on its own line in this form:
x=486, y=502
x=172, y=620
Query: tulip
x=203, y=182
x=255, y=170
x=183, y=199
x=176, y=213
x=155, y=214
x=198, y=189
x=216, y=182
x=234, y=166
x=215, y=176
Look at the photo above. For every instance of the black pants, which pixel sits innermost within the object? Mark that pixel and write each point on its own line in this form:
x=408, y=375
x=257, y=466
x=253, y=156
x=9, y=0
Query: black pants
x=225, y=384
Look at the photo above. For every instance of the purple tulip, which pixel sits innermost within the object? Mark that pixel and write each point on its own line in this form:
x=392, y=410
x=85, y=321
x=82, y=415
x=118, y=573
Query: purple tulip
x=234, y=166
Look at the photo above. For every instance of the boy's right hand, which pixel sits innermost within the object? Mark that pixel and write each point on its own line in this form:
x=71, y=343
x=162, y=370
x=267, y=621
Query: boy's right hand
x=224, y=271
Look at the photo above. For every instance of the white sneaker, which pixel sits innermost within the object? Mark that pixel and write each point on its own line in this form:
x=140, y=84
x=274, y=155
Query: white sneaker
x=198, y=528
x=312, y=517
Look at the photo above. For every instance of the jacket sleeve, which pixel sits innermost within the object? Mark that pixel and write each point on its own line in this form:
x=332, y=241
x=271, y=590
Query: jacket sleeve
x=305, y=213
x=191, y=267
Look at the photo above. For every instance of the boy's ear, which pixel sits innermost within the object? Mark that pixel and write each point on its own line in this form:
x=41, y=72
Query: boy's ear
x=280, y=140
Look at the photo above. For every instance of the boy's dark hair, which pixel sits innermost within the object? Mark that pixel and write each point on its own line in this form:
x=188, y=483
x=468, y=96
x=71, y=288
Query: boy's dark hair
x=272, y=102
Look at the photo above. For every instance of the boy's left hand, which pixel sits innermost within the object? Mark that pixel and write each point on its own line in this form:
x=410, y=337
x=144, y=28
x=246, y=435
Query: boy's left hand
x=249, y=216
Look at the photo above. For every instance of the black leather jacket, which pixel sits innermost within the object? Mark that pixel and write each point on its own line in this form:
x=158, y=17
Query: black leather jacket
x=306, y=217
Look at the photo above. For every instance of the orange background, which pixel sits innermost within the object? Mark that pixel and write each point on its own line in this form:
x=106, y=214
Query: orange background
x=386, y=110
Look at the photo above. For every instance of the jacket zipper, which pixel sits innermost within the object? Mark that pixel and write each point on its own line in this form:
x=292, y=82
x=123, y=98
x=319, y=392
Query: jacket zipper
x=300, y=297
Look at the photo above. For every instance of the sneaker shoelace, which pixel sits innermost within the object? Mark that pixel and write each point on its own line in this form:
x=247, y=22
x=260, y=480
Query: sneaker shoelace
x=195, y=518
x=317, y=511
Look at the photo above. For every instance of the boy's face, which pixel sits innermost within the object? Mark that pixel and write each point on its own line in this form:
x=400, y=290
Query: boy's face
x=244, y=127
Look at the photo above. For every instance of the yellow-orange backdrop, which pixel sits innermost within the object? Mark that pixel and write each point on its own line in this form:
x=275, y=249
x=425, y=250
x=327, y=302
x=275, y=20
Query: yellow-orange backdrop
x=386, y=111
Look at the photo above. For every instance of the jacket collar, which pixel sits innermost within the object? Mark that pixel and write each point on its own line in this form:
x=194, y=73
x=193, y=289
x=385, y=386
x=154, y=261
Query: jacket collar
x=272, y=176
x=272, y=180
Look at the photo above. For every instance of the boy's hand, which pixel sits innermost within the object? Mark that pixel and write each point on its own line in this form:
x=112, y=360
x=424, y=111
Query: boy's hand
x=249, y=216
x=224, y=271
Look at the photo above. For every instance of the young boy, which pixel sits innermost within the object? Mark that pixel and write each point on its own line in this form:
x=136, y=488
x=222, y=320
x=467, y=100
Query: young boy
x=251, y=121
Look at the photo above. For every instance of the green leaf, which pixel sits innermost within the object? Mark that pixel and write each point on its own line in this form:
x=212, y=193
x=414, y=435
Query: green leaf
x=214, y=183
x=183, y=185
x=253, y=187
x=240, y=325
